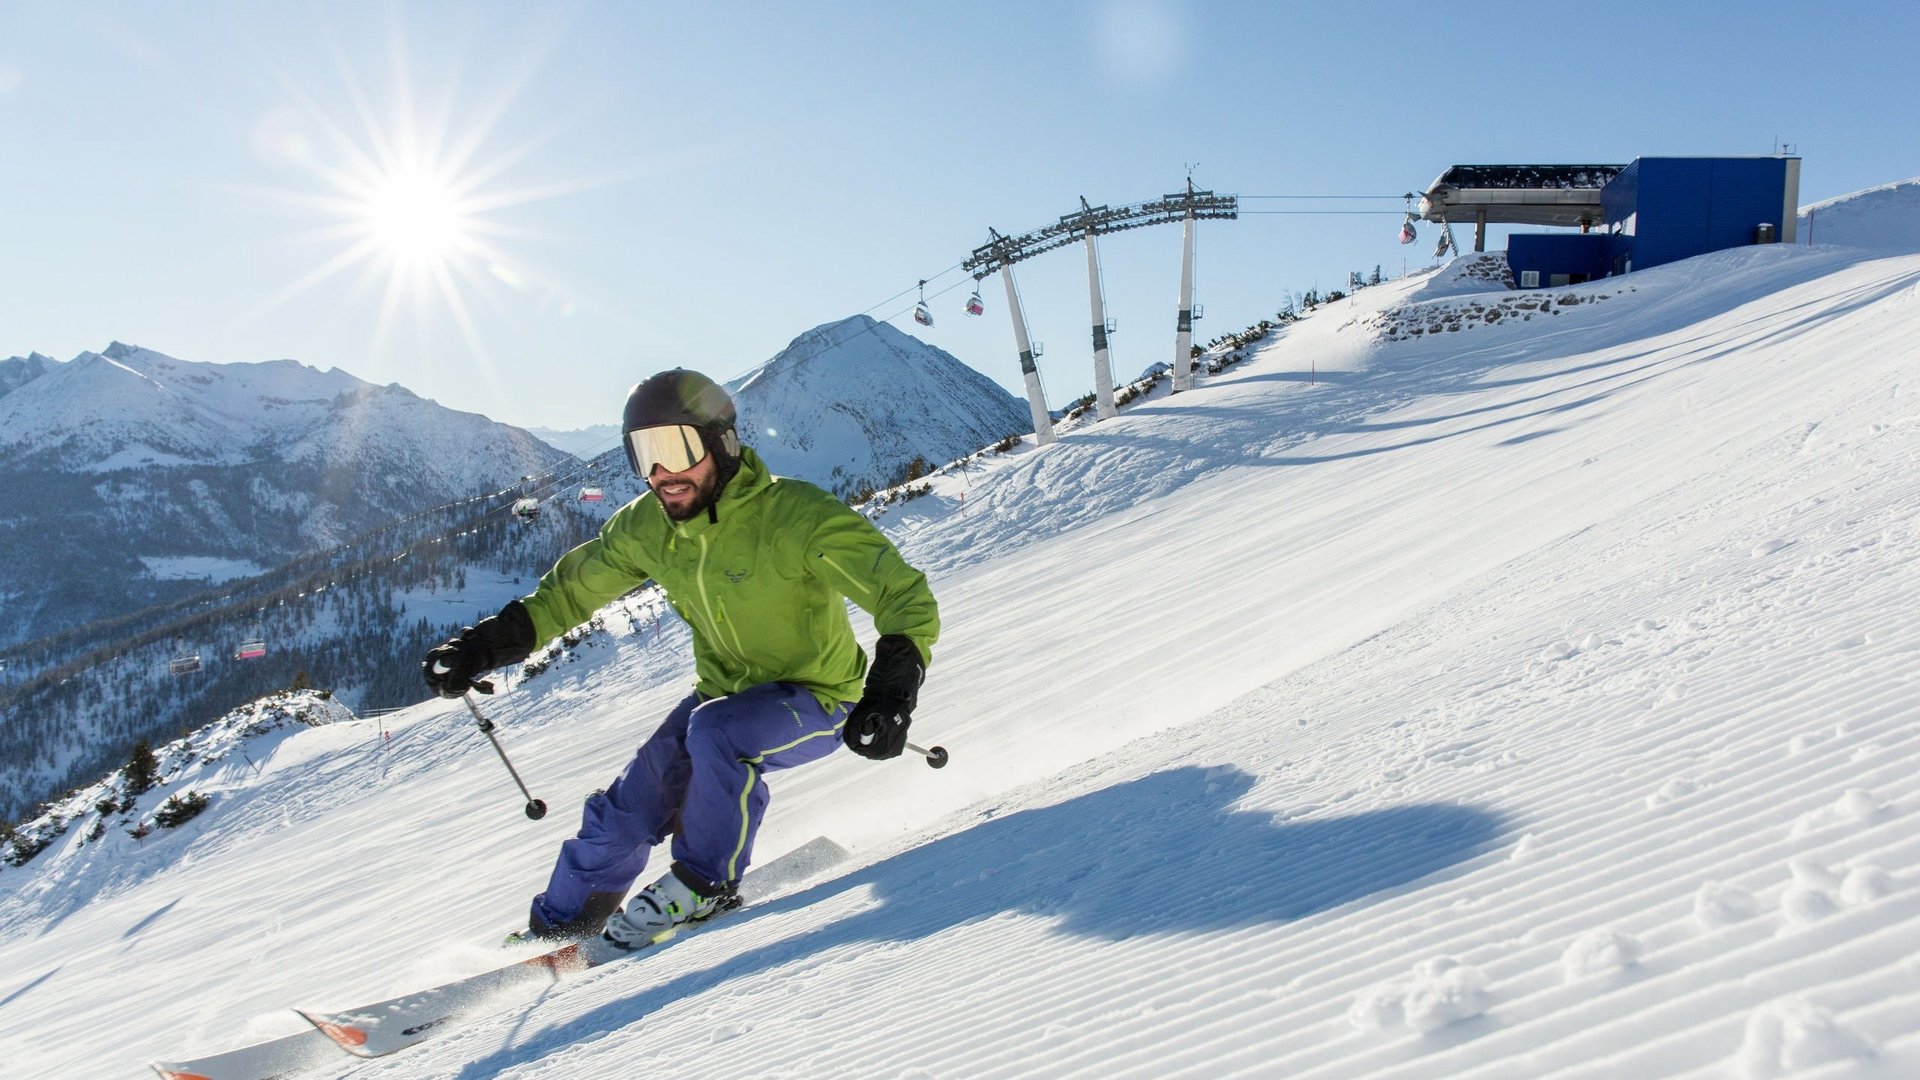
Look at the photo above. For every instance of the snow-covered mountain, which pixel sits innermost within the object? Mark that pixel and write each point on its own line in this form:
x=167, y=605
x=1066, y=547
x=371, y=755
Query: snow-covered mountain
x=850, y=405
x=17, y=371
x=590, y=441
x=163, y=474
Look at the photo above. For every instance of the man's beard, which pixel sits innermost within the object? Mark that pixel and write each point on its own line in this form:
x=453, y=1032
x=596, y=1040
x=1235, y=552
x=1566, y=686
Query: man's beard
x=704, y=496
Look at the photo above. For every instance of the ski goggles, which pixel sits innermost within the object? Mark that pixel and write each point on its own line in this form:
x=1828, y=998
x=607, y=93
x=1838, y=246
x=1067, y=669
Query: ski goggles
x=673, y=447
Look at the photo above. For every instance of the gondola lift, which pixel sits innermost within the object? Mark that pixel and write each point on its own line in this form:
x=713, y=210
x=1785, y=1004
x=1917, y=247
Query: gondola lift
x=526, y=509
x=1407, y=234
x=975, y=305
x=250, y=650
x=592, y=494
x=921, y=313
x=185, y=664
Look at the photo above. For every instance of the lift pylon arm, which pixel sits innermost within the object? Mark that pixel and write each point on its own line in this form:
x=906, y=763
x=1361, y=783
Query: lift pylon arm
x=1097, y=221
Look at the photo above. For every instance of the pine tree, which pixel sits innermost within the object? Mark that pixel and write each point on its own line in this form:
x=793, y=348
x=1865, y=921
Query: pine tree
x=142, y=769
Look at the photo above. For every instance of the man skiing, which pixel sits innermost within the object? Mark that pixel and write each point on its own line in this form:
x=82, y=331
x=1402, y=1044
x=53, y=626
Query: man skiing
x=760, y=568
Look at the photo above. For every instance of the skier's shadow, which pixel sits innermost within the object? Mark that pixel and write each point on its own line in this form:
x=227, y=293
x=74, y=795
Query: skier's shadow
x=1167, y=853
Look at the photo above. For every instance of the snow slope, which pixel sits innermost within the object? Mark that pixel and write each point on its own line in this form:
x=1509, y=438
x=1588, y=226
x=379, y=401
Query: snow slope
x=1885, y=218
x=1529, y=698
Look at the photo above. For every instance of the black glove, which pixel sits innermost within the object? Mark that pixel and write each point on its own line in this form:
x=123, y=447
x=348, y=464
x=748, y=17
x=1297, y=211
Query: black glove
x=877, y=726
x=506, y=638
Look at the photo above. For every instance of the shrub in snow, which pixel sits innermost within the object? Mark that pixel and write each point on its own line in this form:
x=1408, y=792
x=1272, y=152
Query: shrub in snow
x=562, y=649
x=1791, y=1035
x=179, y=810
x=1440, y=991
x=25, y=846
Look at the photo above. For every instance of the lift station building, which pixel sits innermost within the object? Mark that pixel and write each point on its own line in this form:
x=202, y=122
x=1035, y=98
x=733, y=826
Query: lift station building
x=1651, y=211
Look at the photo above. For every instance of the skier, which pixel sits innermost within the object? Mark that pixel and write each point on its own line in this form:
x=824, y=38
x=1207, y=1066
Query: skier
x=760, y=568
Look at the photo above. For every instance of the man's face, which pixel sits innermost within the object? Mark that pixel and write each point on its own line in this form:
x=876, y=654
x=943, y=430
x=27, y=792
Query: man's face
x=686, y=494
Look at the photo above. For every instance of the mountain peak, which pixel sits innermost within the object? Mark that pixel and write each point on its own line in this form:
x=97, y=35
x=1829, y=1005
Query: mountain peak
x=850, y=403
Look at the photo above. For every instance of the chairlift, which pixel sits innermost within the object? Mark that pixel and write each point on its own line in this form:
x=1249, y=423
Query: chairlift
x=592, y=494
x=975, y=305
x=184, y=665
x=921, y=313
x=526, y=509
x=250, y=650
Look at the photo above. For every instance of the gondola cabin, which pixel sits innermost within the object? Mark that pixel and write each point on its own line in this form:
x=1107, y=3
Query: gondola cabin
x=922, y=314
x=976, y=306
x=184, y=665
x=250, y=650
x=526, y=509
x=592, y=494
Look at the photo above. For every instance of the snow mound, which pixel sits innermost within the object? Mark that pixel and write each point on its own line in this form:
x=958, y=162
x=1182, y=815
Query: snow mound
x=1885, y=218
x=1599, y=952
x=1439, y=992
x=1791, y=1035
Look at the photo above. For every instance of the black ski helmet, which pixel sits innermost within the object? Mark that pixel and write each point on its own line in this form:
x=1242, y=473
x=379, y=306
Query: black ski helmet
x=685, y=397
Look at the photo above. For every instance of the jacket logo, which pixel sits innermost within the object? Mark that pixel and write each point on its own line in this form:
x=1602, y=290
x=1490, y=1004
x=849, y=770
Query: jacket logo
x=737, y=576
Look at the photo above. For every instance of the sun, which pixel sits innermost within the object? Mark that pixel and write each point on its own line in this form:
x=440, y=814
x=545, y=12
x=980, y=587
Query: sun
x=417, y=219
x=405, y=201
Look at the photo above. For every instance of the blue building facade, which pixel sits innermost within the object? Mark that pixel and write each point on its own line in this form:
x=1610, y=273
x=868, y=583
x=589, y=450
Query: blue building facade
x=1661, y=210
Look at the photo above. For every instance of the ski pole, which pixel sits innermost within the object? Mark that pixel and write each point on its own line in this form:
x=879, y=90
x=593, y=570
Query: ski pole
x=535, y=808
x=936, y=756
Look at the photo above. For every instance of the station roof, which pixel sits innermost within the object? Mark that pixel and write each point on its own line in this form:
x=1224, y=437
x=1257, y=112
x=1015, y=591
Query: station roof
x=1565, y=195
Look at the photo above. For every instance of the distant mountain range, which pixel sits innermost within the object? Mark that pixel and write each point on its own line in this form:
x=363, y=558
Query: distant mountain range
x=158, y=510
x=134, y=478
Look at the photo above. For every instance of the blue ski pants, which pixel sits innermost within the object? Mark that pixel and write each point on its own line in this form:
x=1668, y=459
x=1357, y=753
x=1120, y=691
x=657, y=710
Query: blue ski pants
x=699, y=777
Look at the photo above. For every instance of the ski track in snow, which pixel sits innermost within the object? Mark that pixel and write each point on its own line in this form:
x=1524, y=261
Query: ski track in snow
x=1534, y=702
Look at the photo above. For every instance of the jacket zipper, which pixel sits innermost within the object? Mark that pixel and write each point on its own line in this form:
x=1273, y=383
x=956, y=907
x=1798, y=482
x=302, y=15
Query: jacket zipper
x=721, y=630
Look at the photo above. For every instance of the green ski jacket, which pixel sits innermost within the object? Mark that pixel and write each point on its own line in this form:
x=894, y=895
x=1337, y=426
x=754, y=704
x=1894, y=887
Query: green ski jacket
x=763, y=587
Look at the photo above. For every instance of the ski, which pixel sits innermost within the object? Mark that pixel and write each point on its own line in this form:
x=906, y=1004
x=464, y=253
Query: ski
x=272, y=1060
x=383, y=1027
x=399, y=1022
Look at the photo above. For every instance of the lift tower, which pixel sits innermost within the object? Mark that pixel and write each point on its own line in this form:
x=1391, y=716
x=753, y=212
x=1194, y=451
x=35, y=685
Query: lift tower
x=1001, y=252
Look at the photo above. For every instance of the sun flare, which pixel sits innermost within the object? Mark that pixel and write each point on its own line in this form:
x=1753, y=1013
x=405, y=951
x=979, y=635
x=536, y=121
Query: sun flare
x=405, y=203
x=416, y=219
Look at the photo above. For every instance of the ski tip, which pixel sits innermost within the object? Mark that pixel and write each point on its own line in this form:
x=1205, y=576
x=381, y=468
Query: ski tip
x=348, y=1037
x=168, y=1072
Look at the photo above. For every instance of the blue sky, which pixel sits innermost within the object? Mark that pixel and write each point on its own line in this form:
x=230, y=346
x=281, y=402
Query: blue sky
x=643, y=185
